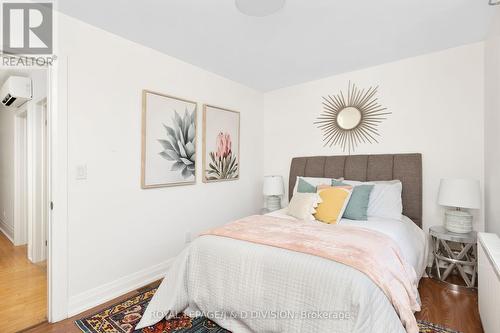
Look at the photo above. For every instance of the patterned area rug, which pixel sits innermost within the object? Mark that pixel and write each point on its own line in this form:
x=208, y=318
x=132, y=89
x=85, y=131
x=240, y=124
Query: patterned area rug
x=122, y=318
x=425, y=327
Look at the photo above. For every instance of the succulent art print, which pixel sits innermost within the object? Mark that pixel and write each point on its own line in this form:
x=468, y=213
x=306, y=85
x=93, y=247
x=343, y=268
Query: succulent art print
x=223, y=163
x=179, y=146
x=168, y=147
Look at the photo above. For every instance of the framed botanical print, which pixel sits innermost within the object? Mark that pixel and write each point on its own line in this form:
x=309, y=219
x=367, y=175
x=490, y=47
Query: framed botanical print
x=168, y=140
x=221, y=144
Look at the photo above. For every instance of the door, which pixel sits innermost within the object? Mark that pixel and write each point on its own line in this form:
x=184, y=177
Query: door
x=20, y=179
x=39, y=216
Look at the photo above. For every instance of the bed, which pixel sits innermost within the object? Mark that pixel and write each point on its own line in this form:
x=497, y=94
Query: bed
x=249, y=287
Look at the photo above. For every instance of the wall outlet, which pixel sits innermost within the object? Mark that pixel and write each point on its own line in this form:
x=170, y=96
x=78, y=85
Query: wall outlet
x=81, y=172
x=188, y=237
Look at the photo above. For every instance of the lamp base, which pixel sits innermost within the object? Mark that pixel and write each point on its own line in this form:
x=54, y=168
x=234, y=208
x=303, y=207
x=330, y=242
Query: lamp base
x=458, y=221
x=273, y=202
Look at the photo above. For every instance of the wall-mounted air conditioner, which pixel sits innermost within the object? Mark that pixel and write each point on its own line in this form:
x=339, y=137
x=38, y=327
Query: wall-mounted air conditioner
x=16, y=91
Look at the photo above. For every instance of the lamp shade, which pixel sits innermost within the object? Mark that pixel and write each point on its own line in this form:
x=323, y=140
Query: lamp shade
x=462, y=193
x=273, y=185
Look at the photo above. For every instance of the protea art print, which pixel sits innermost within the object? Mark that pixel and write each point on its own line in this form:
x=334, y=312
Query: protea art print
x=221, y=144
x=179, y=145
x=223, y=163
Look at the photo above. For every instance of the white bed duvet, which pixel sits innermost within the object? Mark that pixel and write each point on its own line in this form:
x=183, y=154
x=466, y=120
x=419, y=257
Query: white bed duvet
x=247, y=287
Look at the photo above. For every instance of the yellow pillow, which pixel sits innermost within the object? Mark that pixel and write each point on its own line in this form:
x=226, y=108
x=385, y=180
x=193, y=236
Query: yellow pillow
x=334, y=201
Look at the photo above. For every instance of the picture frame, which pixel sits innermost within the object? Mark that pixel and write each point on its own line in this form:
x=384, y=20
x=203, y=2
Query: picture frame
x=168, y=140
x=221, y=144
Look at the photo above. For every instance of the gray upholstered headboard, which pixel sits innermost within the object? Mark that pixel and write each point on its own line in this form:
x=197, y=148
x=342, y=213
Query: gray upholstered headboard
x=405, y=167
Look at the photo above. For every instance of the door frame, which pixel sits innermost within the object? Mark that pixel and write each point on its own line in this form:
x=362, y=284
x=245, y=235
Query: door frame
x=21, y=177
x=38, y=173
x=42, y=106
x=57, y=182
x=57, y=236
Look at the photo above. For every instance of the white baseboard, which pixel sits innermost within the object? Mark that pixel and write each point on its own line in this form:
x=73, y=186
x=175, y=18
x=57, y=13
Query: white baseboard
x=7, y=230
x=108, y=291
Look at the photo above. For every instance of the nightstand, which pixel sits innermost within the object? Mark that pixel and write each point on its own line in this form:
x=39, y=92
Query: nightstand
x=454, y=252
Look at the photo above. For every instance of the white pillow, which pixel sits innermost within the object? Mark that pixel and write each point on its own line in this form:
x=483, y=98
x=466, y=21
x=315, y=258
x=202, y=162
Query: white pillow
x=385, y=198
x=315, y=181
x=303, y=206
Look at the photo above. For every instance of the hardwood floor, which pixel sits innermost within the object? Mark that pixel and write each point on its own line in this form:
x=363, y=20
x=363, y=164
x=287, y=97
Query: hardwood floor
x=441, y=304
x=449, y=306
x=23, y=288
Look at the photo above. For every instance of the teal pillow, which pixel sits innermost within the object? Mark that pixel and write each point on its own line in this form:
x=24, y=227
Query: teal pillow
x=357, y=206
x=305, y=187
x=336, y=182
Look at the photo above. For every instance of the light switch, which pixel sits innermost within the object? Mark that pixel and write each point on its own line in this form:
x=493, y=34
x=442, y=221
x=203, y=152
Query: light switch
x=81, y=172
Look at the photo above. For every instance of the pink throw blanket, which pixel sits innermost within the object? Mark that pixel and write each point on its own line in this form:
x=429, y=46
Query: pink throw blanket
x=370, y=252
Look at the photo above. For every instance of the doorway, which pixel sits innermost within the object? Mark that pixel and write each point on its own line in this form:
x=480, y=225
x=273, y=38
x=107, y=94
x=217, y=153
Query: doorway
x=25, y=172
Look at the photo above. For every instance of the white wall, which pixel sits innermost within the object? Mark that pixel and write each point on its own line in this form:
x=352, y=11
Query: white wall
x=115, y=228
x=39, y=79
x=492, y=126
x=437, y=107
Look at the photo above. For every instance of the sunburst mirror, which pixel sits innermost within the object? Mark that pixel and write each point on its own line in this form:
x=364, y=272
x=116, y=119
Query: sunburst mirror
x=350, y=119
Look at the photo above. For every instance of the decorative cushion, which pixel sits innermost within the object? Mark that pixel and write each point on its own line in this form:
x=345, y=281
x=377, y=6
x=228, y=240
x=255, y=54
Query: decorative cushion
x=334, y=201
x=305, y=187
x=385, y=198
x=302, y=206
x=313, y=181
x=357, y=207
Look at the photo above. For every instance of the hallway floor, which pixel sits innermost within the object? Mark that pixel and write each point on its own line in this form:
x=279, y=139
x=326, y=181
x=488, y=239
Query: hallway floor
x=23, y=288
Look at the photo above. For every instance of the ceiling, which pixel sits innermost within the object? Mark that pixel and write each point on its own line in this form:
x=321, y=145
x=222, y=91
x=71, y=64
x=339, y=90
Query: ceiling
x=306, y=40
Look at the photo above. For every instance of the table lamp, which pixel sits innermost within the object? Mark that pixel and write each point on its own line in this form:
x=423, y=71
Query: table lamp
x=273, y=190
x=459, y=193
